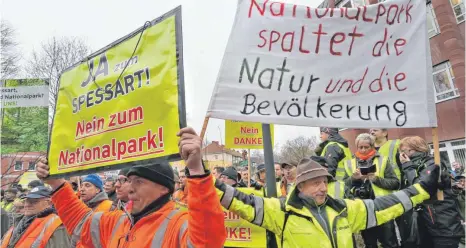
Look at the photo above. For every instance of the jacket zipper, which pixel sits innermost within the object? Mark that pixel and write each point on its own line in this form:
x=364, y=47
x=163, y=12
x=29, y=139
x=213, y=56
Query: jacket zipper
x=326, y=227
x=334, y=231
x=431, y=216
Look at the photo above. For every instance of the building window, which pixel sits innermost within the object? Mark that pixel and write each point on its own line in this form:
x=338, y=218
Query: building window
x=32, y=166
x=18, y=165
x=215, y=157
x=452, y=151
x=432, y=24
x=352, y=3
x=458, y=8
x=444, y=85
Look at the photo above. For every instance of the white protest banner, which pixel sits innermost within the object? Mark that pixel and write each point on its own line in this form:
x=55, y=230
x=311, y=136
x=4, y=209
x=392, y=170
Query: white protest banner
x=24, y=96
x=357, y=67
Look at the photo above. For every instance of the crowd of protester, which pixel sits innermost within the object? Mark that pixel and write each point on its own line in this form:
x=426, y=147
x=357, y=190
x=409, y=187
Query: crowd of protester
x=385, y=190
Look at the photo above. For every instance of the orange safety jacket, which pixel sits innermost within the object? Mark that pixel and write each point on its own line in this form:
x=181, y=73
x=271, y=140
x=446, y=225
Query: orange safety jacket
x=104, y=206
x=201, y=226
x=38, y=233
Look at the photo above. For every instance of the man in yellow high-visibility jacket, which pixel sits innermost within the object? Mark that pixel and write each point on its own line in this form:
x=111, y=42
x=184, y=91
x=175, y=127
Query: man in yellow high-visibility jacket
x=311, y=218
x=388, y=148
x=335, y=149
x=10, y=196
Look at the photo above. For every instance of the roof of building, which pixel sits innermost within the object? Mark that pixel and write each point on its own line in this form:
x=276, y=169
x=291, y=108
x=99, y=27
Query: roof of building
x=216, y=147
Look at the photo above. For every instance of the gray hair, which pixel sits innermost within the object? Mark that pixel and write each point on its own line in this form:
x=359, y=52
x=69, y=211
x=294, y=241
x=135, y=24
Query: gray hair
x=365, y=137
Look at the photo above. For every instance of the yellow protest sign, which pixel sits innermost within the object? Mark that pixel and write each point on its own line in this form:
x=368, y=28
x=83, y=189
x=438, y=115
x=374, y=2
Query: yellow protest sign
x=124, y=105
x=241, y=233
x=27, y=177
x=244, y=135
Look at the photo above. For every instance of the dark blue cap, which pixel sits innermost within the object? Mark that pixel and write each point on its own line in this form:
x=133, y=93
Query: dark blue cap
x=39, y=192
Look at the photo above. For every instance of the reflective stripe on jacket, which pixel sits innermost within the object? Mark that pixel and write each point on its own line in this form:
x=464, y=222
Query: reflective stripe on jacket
x=340, y=173
x=298, y=227
x=389, y=150
x=336, y=189
x=104, y=206
x=381, y=163
x=37, y=234
x=165, y=227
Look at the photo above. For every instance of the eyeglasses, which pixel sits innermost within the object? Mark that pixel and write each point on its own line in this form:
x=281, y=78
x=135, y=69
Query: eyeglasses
x=122, y=180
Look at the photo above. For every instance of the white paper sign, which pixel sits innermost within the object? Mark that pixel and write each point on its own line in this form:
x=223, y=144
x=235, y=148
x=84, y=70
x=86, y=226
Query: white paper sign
x=24, y=96
x=356, y=68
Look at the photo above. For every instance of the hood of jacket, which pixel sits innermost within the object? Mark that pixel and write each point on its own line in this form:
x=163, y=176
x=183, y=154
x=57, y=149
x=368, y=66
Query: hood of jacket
x=100, y=197
x=332, y=138
x=338, y=138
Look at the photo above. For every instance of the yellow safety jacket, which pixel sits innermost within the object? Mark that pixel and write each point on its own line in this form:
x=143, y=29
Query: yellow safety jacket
x=381, y=163
x=389, y=150
x=340, y=173
x=7, y=206
x=296, y=226
x=336, y=189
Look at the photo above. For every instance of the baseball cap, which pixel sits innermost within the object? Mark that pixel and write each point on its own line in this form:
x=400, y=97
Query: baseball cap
x=39, y=192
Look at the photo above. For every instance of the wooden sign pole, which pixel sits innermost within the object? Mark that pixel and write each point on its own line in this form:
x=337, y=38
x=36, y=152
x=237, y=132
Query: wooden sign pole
x=204, y=127
x=435, y=142
x=249, y=168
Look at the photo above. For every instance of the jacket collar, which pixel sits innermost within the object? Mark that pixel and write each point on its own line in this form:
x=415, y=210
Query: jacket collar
x=100, y=197
x=151, y=208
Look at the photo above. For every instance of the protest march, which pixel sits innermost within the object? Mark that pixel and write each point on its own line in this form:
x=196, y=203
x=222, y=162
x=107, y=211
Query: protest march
x=341, y=124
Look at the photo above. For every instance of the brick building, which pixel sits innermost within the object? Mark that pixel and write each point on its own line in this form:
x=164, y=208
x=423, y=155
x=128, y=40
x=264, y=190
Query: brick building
x=446, y=27
x=14, y=165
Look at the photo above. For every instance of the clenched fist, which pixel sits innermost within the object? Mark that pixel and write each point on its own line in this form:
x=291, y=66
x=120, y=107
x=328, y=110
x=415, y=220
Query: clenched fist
x=190, y=150
x=43, y=171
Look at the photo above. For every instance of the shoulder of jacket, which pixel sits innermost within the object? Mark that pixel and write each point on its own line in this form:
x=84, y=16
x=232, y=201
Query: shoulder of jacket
x=338, y=205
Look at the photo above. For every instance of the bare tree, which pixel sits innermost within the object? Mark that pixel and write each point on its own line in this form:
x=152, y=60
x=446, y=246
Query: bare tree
x=53, y=57
x=9, y=55
x=8, y=167
x=257, y=156
x=296, y=149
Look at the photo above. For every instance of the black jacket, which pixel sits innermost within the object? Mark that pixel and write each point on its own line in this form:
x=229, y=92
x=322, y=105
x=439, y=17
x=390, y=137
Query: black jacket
x=334, y=153
x=439, y=218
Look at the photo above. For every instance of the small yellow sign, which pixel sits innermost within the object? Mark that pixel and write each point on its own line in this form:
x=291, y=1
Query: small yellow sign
x=241, y=233
x=27, y=177
x=245, y=135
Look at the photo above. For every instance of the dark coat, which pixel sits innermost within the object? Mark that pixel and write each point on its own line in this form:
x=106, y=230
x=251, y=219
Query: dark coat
x=438, y=218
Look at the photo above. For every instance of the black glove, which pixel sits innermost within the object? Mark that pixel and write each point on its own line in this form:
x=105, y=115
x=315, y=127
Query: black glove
x=429, y=180
x=257, y=186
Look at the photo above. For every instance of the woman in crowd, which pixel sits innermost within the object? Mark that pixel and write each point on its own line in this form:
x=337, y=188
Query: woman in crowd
x=370, y=175
x=439, y=222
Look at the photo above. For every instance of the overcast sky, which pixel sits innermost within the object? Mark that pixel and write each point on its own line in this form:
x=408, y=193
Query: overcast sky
x=206, y=27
